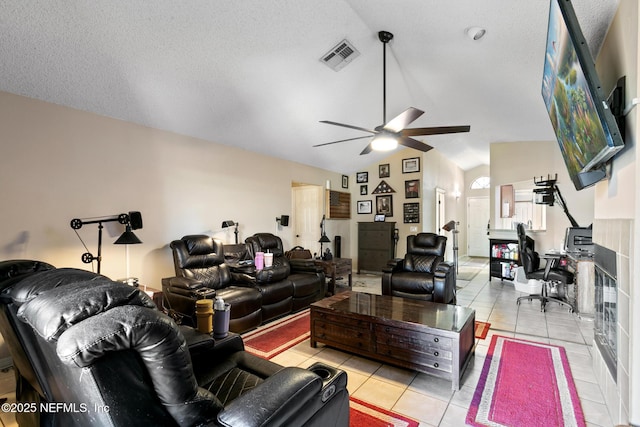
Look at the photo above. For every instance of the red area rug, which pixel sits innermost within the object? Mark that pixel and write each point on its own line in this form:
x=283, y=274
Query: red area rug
x=363, y=414
x=276, y=337
x=525, y=383
x=482, y=329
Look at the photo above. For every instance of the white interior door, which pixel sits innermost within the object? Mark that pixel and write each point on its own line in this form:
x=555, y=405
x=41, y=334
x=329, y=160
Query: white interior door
x=307, y=208
x=478, y=221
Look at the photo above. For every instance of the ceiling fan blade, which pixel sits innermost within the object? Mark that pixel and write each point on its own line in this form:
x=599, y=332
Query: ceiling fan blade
x=403, y=119
x=367, y=149
x=342, y=140
x=348, y=126
x=412, y=143
x=438, y=130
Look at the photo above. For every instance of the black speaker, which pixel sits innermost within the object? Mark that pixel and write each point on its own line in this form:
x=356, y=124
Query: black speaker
x=284, y=220
x=135, y=219
x=338, y=246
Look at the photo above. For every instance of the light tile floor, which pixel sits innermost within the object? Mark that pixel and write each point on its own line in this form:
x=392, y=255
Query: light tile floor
x=430, y=400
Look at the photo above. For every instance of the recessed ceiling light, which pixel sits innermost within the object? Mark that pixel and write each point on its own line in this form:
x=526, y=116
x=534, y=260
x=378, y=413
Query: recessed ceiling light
x=475, y=33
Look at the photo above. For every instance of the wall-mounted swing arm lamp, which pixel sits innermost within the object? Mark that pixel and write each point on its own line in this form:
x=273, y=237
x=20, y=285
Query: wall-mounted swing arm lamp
x=230, y=223
x=132, y=220
x=283, y=220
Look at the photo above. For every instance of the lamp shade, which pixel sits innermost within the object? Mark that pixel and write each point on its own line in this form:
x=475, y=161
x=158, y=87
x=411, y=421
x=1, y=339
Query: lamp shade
x=451, y=225
x=324, y=239
x=228, y=223
x=127, y=238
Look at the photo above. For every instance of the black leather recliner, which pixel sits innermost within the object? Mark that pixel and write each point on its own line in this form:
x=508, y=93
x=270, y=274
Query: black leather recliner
x=104, y=352
x=201, y=272
x=423, y=273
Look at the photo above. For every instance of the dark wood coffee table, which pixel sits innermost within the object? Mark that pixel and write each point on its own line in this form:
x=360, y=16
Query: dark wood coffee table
x=437, y=339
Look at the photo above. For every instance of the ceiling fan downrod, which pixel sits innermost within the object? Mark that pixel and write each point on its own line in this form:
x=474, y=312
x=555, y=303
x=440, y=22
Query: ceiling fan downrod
x=385, y=37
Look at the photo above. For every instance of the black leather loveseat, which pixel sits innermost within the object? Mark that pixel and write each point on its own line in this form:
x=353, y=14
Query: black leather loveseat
x=205, y=270
x=90, y=351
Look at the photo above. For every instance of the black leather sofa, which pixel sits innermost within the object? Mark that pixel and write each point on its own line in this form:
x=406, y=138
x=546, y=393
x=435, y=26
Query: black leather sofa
x=422, y=273
x=204, y=269
x=90, y=351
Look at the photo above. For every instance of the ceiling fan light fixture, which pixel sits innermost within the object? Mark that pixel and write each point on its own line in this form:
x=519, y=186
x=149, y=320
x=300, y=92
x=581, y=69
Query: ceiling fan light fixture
x=384, y=143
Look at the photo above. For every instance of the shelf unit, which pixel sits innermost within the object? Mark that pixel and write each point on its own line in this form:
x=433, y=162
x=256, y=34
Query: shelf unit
x=503, y=257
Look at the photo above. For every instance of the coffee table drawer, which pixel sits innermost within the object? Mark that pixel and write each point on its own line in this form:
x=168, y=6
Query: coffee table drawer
x=412, y=339
x=426, y=360
x=342, y=320
x=358, y=339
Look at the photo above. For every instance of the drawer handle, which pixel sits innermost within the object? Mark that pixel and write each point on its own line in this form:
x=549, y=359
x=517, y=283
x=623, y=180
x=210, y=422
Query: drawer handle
x=436, y=339
x=435, y=365
x=436, y=354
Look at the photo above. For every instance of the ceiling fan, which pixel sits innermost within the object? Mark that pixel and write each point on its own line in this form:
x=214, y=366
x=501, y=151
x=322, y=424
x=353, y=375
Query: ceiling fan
x=390, y=134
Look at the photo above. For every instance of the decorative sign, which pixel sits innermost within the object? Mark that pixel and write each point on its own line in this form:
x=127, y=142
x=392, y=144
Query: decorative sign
x=411, y=213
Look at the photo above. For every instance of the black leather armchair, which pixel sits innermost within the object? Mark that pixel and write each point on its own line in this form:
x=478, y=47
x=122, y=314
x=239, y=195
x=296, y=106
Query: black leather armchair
x=103, y=350
x=201, y=272
x=307, y=280
x=422, y=273
x=550, y=274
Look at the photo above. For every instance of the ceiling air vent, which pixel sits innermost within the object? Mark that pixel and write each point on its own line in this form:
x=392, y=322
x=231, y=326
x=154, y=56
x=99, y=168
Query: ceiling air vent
x=342, y=54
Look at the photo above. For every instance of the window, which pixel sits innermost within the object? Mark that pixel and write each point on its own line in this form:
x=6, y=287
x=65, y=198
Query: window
x=481, y=183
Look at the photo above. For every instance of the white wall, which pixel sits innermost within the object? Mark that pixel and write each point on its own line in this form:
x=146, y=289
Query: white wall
x=58, y=163
x=617, y=202
x=522, y=161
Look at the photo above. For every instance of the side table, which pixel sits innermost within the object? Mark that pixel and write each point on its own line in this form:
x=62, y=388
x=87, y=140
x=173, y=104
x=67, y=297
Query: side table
x=334, y=268
x=155, y=294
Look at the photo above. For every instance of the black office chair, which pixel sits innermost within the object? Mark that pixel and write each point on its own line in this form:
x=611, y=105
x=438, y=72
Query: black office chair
x=549, y=274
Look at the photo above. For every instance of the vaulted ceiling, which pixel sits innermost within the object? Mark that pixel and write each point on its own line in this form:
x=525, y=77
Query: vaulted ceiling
x=247, y=73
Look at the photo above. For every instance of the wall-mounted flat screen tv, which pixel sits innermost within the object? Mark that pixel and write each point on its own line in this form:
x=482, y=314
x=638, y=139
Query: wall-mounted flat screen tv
x=584, y=124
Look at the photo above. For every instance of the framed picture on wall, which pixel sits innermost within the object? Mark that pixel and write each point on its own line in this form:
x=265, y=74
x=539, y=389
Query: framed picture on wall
x=384, y=205
x=411, y=212
x=411, y=165
x=362, y=177
x=345, y=181
x=412, y=189
x=364, y=190
x=364, y=206
x=384, y=170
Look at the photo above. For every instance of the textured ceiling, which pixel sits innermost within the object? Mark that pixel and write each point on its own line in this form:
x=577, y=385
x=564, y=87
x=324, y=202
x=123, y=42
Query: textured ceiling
x=247, y=73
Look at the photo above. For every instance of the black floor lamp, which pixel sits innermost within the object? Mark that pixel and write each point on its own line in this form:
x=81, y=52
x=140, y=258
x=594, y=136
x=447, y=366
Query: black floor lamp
x=230, y=223
x=132, y=220
x=452, y=227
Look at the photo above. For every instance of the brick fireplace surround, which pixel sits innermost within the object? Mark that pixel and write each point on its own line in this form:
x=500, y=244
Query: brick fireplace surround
x=617, y=235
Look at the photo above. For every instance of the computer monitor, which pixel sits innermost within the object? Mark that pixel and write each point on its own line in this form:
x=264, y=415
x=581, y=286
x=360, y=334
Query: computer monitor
x=578, y=239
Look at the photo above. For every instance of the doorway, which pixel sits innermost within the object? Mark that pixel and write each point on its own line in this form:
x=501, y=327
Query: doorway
x=307, y=209
x=478, y=213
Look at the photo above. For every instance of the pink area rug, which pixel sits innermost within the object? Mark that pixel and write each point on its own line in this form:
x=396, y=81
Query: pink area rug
x=525, y=383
